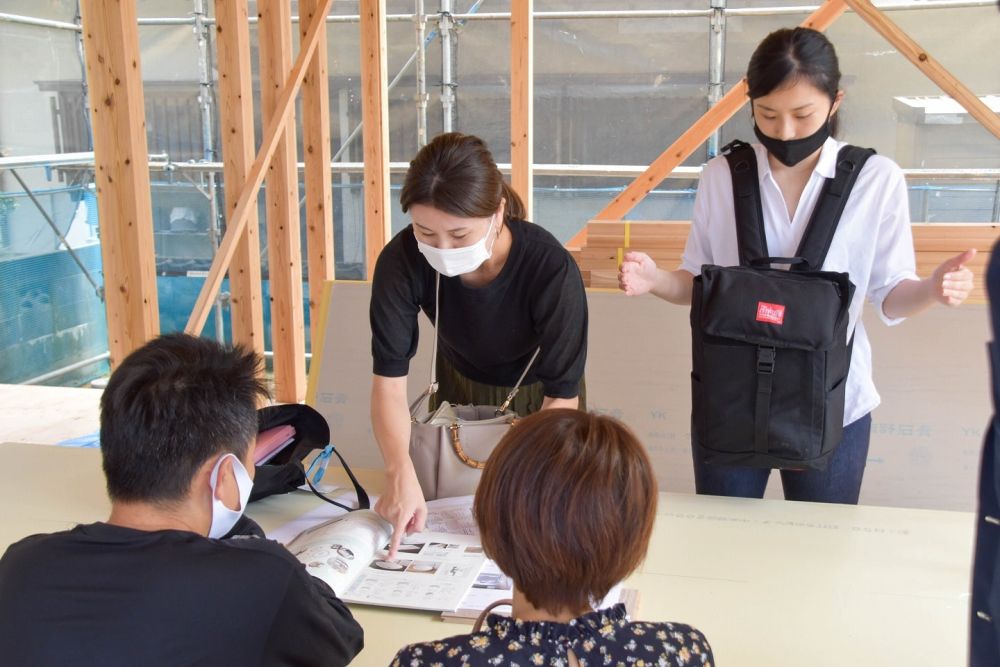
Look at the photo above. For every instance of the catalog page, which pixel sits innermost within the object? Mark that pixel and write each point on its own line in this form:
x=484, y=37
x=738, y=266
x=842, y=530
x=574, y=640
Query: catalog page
x=492, y=585
x=431, y=571
x=337, y=550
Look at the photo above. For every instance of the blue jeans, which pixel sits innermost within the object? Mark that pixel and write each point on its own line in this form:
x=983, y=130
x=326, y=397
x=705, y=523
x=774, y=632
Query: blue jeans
x=840, y=482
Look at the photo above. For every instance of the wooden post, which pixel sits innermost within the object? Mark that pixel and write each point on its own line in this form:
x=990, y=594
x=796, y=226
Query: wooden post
x=121, y=158
x=927, y=64
x=319, y=187
x=522, y=76
x=273, y=132
x=696, y=135
x=282, y=197
x=375, y=116
x=232, y=38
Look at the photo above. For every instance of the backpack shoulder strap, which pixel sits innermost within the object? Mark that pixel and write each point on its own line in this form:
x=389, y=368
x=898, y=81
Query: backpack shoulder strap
x=750, y=236
x=832, y=199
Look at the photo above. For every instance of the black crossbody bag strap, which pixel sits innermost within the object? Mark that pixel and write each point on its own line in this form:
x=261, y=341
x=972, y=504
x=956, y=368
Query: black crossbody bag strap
x=832, y=199
x=364, y=503
x=750, y=238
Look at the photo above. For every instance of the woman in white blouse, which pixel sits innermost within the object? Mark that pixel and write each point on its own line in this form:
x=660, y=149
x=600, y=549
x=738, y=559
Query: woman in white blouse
x=793, y=79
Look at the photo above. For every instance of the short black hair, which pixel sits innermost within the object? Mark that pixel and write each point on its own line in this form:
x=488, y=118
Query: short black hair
x=790, y=54
x=171, y=405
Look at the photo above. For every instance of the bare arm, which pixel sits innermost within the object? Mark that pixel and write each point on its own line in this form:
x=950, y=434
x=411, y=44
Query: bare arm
x=950, y=284
x=639, y=275
x=402, y=501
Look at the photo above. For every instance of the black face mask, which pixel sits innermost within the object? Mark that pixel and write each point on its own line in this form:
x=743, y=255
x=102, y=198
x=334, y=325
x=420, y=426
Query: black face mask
x=793, y=151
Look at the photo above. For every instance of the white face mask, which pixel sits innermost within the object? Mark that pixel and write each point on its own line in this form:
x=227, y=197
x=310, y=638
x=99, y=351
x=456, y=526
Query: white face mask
x=453, y=262
x=223, y=518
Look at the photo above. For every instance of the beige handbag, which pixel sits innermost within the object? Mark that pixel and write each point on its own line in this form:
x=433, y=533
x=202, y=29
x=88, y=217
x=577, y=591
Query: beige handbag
x=449, y=448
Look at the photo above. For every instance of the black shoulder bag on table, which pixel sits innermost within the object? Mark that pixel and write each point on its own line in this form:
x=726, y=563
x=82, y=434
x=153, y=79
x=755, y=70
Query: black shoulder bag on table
x=285, y=472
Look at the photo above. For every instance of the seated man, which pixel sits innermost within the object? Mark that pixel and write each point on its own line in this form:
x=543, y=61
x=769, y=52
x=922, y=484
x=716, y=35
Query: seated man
x=155, y=584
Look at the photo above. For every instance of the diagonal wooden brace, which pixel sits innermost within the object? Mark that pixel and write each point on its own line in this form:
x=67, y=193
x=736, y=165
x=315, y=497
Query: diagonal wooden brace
x=696, y=135
x=248, y=194
x=927, y=64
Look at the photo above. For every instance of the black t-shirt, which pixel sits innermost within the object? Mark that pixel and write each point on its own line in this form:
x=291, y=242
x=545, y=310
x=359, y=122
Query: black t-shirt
x=106, y=595
x=487, y=333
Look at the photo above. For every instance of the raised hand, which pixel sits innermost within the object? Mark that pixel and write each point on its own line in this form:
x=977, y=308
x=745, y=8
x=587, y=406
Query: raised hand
x=402, y=504
x=952, y=280
x=638, y=274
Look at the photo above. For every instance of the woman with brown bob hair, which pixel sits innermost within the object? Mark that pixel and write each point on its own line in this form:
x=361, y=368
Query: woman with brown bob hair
x=566, y=507
x=500, y=288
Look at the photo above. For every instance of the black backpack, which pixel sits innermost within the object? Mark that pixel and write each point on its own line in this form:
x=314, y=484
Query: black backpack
x=284, y=472
x=770, y=346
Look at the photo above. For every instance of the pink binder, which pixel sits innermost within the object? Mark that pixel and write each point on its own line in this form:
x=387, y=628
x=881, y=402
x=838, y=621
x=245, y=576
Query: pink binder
x=272, y=441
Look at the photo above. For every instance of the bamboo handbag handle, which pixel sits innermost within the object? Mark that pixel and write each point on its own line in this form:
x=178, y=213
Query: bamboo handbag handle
x=482, y=616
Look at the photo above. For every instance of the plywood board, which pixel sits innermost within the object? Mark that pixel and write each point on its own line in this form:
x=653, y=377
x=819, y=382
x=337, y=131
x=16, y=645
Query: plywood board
x=925, y=436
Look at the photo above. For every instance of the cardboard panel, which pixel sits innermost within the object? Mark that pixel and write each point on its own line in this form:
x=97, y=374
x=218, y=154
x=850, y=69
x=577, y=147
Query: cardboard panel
x=926, y=435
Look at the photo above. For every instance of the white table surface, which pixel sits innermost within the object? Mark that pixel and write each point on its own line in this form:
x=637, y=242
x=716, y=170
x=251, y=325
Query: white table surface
x=769, y=582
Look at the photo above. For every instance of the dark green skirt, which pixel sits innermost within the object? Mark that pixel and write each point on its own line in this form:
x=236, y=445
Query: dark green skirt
x=456, y=388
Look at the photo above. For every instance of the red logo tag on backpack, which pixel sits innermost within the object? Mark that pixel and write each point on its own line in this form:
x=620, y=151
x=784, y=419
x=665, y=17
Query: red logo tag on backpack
x=772, y=313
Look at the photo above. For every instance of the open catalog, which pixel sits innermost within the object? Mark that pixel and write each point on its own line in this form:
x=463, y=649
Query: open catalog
x=441, y=569
x=432, y=571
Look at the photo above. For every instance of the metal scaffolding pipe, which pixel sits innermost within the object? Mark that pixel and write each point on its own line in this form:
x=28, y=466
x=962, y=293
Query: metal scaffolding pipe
x=421, y=30
x=396, y=79
x=594, y=170
x=59, y=372
x=445, y=28
x=540, y=16
x=357, y=128
x=54, y=159
x=331, y=18
x=716, y=65
x=38, y=23
x=269, y=354
x=894, y=7
x=160, y=162
x=98, y=290
x=996, y=202
x=205, y=96
x=623, y=171
x=78, y=21
x=700, y=13
x=60, y=159
x=595, y=14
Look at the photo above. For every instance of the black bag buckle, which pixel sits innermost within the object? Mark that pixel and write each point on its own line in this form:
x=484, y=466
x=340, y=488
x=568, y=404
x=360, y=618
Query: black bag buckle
x=847, y=164
x=765, y=360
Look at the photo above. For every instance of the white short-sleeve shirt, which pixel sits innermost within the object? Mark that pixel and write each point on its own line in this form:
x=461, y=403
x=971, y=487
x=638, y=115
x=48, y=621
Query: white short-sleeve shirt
x=873, y=243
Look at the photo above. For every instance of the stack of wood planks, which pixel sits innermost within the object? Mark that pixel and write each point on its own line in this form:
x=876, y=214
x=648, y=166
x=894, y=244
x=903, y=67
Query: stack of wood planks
x=663, y=240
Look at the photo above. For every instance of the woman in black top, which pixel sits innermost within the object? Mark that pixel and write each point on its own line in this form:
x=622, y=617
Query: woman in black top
x=507, y=288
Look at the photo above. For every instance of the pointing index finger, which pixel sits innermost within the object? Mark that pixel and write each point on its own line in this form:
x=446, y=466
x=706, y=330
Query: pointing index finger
x=398, y=531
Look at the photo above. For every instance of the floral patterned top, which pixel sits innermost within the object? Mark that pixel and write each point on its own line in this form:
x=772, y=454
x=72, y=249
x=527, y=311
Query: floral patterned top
x=599, y=638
